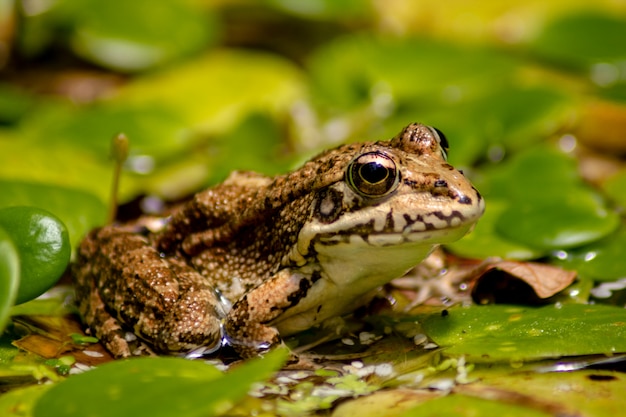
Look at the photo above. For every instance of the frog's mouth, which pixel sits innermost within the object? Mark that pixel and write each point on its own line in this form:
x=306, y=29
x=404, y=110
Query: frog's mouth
x=384, y=239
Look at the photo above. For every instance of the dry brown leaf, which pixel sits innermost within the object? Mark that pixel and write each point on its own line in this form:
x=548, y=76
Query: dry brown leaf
x=511, y=281
x=50, y=337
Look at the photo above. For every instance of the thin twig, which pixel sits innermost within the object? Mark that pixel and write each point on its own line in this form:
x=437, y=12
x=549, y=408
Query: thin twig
x=119, y=150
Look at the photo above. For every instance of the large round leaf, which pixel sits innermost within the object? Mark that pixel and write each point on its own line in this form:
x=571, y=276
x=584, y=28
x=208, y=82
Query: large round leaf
x=43, y=246
x=79, y=211
x=157, y=387
x=484, y=241
x=137, y=35
x=513, y=334
x=584, y=39
x=349, y=71
x=601, y=261
x=9, y=275
x=575, y=217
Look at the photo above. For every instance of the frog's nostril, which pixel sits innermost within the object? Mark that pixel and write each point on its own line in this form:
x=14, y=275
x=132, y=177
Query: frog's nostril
x=465, y=200
x=440, y=184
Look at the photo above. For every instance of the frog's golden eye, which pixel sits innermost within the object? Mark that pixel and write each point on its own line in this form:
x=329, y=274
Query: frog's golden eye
x=373, y=174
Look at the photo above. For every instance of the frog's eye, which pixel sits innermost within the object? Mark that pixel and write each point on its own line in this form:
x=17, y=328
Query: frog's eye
x=373, y=174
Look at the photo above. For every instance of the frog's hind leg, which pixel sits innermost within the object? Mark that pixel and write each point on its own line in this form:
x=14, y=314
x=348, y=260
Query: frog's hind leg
x=94, y=313
x=124, y=284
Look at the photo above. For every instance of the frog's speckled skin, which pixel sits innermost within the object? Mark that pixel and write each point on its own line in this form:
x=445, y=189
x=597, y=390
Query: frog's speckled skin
x=289, y=252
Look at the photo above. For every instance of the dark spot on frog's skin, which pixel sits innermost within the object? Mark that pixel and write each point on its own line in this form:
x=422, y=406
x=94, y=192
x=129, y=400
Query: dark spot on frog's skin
x=602, y=378
x=419, y=218
x=315, y=276
x=295, y=297
x=454, y=214
x=389, y=222
x=445, y=313
x=242, y=317
x=410, y=183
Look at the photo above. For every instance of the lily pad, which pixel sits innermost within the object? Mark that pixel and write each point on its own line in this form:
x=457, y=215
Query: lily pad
x=538, y=173
x=466, y=406
x=517, y=117
x=325, y=9
x=42, y=245
x=138, y=35
x=601, y=261
x=9, y=276
x=484, y=241
x=55, y=162
x=576, y=217
x=19, y=402
x=560, y=392
x=13, y=103
x=157, y=386
x=614, y=188
x=501, y=333
x=583, y=39
x=347, y=72
x=153, y=128
x=215, y=91
x=79, y=211
x=549, y=207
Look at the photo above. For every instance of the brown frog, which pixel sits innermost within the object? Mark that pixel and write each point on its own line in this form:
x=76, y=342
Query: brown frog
x=288, y=252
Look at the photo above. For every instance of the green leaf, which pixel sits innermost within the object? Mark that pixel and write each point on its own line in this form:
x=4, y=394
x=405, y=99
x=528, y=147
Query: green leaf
x=484, y=241
x=583, y=39
x=154, y=129
x=159, y=387
x=594, y=392
x=516, y=117
x=614, y=188
x=42, y=245
x=538, y=173
x=19, y=402
x=575, y=217
x=262, y=155
x=328, y=9
x=9, y=276
x=13, y=103
x=78, y=210
x=216, y=91
x=601, y=261
x=465, y=406
x=507, y=333
x=140, y=34
x=549, y=207
x=347, y=72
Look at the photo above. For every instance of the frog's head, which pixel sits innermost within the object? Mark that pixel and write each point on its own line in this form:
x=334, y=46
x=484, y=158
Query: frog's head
x=395, y=201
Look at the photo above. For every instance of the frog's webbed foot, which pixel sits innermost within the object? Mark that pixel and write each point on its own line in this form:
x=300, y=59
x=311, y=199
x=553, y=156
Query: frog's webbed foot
x=123, y=284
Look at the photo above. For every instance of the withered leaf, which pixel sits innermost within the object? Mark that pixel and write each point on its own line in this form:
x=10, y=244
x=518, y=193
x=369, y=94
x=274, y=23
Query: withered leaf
x=519, y=282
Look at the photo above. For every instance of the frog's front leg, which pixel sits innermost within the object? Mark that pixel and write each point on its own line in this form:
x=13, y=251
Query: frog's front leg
x=249, y=325
x=124, y=284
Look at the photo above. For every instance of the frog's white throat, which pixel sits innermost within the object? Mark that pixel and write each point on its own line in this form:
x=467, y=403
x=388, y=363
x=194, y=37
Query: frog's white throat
x=373, y=259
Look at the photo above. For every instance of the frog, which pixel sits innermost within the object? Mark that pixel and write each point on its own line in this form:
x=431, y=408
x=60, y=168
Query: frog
x=256, y=259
